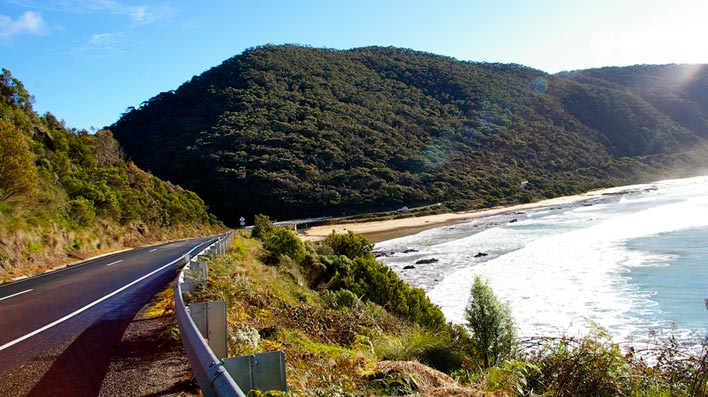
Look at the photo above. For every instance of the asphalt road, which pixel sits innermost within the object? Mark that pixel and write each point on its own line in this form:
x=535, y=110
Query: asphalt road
x=59, y=331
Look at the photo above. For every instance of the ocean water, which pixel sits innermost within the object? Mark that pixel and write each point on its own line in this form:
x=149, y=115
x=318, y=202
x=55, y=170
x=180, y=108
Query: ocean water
x=630, y=263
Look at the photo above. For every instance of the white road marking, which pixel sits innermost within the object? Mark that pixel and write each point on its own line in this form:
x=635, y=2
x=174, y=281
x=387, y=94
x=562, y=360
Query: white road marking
x=113, y=263
x=90, y=305
x=13, y=295
x=153, y=250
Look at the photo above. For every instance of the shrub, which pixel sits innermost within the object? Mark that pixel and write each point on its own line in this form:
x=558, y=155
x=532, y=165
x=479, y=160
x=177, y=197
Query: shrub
x=376, y=282
x=338, y=300
x=262, y=226
x=282, y=242
x=590, y=366
x=350, y=245
x=81, y=211
x=245, y=339
x=132, y=204
x=676, y=369
x=491, y=325
x=514, y=377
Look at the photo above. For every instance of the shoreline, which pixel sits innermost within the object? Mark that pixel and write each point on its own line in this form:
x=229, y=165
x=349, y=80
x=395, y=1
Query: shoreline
x=378, y=231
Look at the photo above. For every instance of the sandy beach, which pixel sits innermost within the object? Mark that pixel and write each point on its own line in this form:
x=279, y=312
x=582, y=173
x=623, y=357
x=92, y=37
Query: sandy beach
x=377, y=231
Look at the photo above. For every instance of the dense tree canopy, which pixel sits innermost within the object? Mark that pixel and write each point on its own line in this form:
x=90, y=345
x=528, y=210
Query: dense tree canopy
x=294, y=131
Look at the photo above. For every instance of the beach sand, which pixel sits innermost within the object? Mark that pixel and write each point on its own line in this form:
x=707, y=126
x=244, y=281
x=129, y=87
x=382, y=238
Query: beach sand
x=377, y=231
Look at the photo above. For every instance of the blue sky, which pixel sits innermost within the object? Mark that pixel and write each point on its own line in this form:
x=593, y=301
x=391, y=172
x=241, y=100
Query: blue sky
x=86, y=61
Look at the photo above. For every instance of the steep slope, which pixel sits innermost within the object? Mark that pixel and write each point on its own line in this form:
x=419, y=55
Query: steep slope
x=679, y=91
x=66, y=193
x=295, y=131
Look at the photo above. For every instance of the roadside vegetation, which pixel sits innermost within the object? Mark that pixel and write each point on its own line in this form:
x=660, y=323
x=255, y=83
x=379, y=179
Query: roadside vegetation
x=65, y=194
x=350, y=327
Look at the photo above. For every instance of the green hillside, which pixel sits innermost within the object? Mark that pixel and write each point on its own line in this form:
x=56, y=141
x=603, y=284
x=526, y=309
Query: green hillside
x=295, y=131
x=65, y=193
x=679, y=91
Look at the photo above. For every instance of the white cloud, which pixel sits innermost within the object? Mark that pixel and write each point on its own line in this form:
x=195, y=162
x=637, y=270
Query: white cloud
x=99, y=44
x=28, y=23
x=141, y=14
x=138, y=14
x=103, y=45
x=103, y=39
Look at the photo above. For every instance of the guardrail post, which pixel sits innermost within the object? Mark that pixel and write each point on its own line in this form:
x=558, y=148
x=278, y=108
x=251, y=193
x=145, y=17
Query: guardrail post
x=210, y=319
x=196, y=274
x=262, y=371
x=200, y=270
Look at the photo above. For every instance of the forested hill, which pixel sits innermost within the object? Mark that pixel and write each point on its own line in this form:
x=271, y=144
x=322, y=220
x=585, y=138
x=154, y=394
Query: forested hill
x=66, y=193
x=679, y=91
x=294, y=131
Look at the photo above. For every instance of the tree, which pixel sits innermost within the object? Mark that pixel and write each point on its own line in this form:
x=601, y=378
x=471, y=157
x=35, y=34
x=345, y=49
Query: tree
x=107, y=150
x=491, y=325
x=18, y=174
x=13, y=92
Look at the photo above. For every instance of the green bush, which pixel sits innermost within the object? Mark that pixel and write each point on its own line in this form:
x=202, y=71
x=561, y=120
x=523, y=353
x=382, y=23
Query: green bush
x=491, y=326
x=592, y=366
x=262, y=226
x=81, y=211
x=350, y=244
x=514, y=377
x=133, y=204
x=277, y=241
x=338, y=300
x=378, y=283
x=282, y=242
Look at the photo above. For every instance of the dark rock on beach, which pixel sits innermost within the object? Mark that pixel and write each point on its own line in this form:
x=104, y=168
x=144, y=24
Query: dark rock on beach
x=387, y=254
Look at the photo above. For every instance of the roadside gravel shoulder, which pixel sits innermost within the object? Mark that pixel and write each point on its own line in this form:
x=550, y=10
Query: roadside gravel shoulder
x=149, y=361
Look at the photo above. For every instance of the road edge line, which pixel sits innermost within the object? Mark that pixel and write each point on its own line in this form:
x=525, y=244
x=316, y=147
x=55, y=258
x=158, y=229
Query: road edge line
x=94, y=303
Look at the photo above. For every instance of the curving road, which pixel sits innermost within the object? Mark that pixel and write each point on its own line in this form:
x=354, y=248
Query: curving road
x=59, y=331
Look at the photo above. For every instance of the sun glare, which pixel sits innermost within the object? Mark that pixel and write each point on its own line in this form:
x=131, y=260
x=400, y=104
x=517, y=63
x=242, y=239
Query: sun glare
x=669, y=32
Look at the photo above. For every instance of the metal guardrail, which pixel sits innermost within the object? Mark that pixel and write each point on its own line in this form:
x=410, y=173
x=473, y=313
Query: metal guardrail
x=213, y=378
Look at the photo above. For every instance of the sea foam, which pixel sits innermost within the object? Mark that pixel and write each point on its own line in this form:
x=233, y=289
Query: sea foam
x=563, y=269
